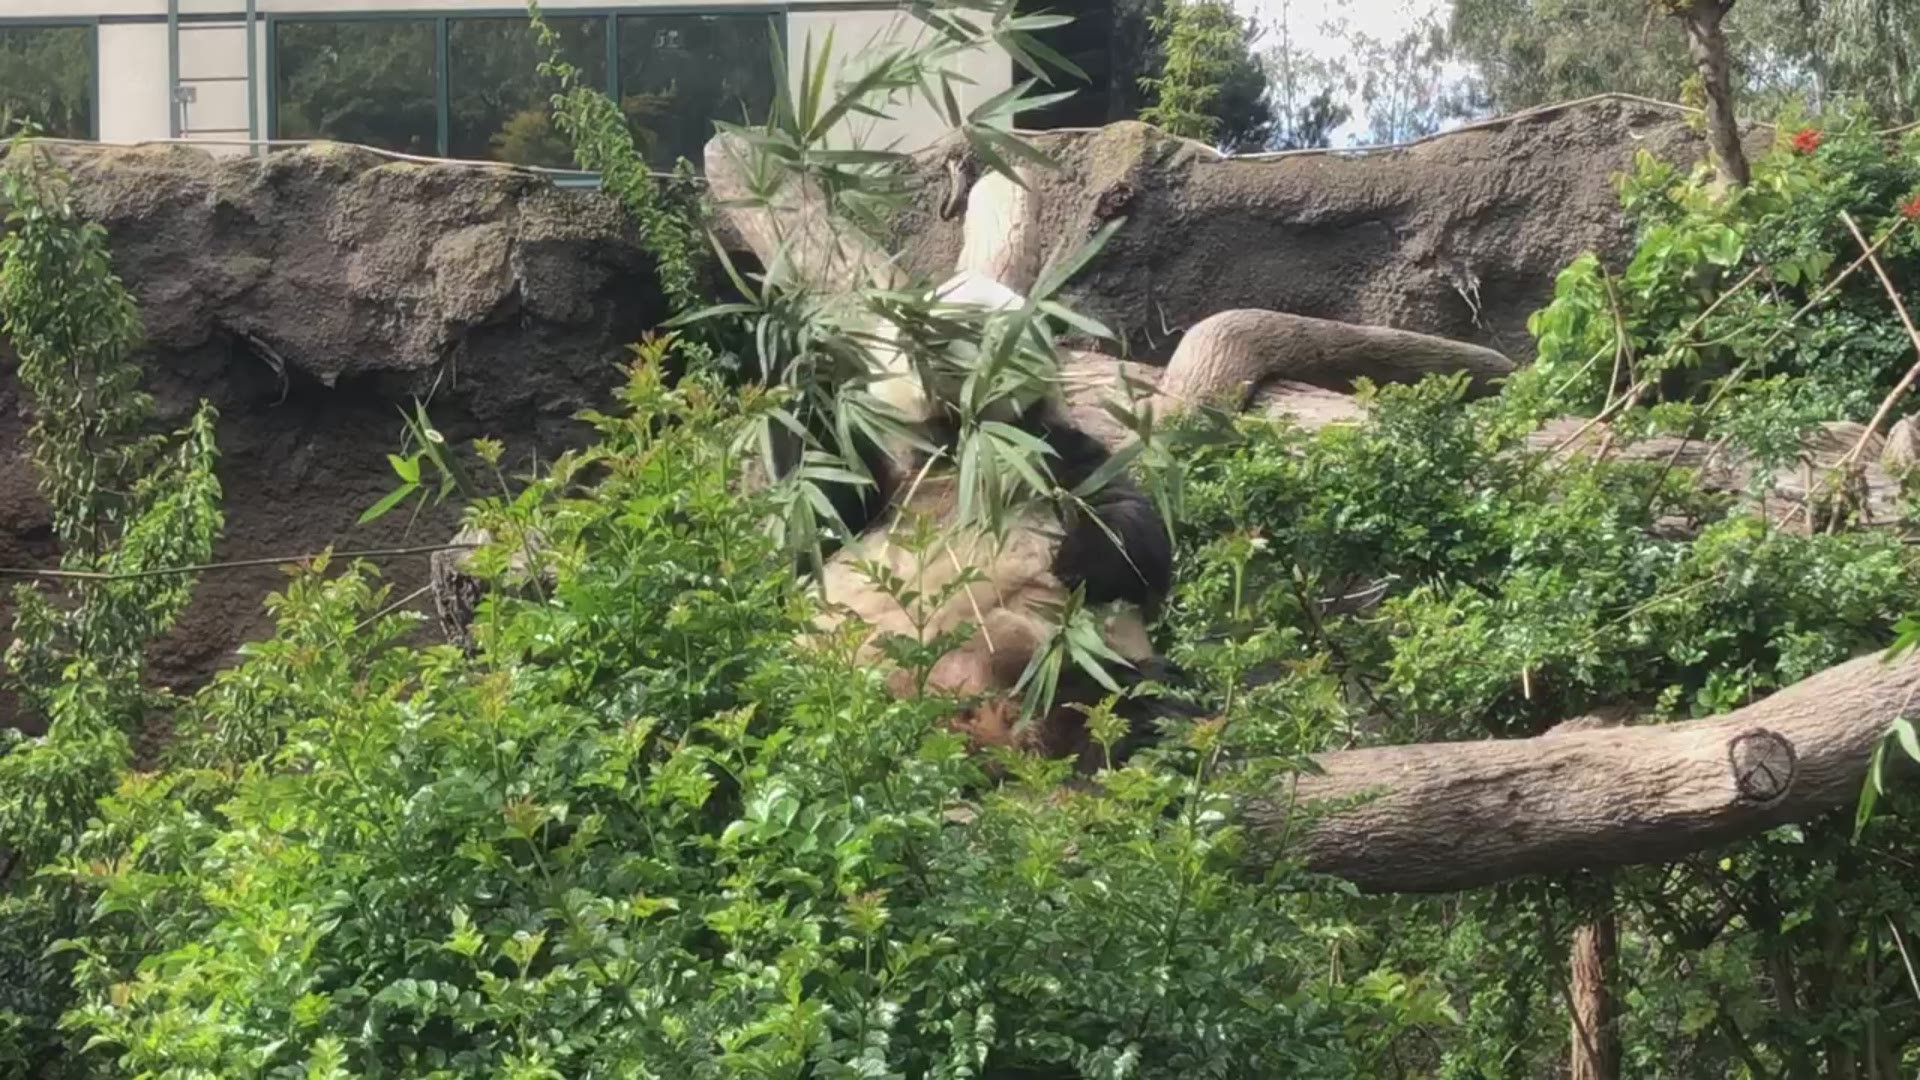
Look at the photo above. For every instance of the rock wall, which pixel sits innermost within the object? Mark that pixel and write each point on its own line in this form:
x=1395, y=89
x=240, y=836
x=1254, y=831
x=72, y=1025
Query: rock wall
x=1460, y=236
x=312, y=295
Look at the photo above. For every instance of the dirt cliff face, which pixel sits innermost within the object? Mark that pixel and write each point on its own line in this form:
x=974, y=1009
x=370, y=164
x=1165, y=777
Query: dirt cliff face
x=312, y=295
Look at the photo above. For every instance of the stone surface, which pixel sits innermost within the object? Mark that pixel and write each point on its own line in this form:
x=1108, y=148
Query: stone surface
x=312, y=296
x=1460, y=237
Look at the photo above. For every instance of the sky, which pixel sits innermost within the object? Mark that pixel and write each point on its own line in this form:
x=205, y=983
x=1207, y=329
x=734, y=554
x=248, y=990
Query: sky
x=1308, y=20
x=1379, y=18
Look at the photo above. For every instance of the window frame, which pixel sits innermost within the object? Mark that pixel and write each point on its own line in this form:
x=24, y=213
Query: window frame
x=92, y=24
x=443, y=20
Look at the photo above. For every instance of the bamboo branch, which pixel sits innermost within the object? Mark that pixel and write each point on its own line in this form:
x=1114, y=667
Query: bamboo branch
x=1906, y=320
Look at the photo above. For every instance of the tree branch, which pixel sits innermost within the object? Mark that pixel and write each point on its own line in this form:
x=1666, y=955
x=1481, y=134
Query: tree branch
x=1451, y=816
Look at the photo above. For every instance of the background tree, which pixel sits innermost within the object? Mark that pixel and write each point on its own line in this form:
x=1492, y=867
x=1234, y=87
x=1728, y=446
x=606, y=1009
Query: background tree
x=1704, y=22
x=1116, y=45
x=1809, y=53
x=1531, y=52
x=1208, y=86
x=1406, y=87
x=46, y=78
x=1308, y=91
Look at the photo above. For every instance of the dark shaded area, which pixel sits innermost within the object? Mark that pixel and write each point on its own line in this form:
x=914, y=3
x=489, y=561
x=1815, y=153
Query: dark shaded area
x=1108, y=40
x=372, y=82
x=499, y=103
x=680, y=73
x=1114, y=46
x=376, y=81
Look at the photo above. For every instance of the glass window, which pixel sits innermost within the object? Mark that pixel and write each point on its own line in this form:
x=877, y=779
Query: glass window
x=680, y=73
x=46, y=77
x=500, y=105
x=365, y=81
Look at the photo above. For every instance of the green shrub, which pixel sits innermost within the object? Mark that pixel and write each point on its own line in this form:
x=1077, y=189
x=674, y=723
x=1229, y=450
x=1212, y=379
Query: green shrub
x=124, y=503
x=644, y=833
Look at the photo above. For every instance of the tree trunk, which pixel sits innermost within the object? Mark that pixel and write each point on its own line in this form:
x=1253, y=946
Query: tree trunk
x=1707, y=42
x=1596, y=1035
x=1449, y=816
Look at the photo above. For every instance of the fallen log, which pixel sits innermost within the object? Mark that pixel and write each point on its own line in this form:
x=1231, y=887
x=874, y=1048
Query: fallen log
x=1235, y=354
x=1440, y=817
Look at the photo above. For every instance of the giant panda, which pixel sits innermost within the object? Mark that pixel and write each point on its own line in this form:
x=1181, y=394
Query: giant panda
x=1045, y=555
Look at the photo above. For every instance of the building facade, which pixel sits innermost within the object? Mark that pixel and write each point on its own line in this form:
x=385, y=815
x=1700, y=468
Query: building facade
x=440, y=78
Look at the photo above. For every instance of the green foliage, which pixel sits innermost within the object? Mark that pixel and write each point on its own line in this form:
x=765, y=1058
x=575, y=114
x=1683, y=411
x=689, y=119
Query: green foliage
x=1203, y=42
x=669, y=220
x=124, y=504
x=1120, y=51
x=822, y=350
x=1532, y=52
x=654, y=824
x=1771, y=360
x=1423, y=576
x=1810, y=53
x=644, y=833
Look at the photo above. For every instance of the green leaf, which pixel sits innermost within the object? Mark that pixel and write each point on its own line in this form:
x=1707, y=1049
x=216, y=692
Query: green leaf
x=1909, y=739
x=1091, y=327
x=1109, y=470
x=406, y=468
x=1869, y=793
x=392, y=499
x=1056, y=274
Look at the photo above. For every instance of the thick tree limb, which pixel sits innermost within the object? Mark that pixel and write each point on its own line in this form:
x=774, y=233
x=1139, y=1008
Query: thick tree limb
x=1707, y=44
x=1235, y=354
x=1448, y=816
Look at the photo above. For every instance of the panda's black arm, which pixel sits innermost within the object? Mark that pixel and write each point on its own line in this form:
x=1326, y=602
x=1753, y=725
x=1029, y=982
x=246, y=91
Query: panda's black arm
x=1139, y=568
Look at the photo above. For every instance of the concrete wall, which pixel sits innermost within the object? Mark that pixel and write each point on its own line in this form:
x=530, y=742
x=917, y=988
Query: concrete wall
x=133, y=81
x=134, y=62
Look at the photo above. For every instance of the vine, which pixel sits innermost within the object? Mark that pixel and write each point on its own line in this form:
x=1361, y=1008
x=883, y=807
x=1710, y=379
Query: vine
x=668, y=217
x=123, y=502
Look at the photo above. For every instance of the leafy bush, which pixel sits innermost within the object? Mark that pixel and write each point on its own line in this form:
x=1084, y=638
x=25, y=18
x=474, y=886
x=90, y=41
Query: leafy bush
x=644, y=833
x=124, y=503
x=1672, y=323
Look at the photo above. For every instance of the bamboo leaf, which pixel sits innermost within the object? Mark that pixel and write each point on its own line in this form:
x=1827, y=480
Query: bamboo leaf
x=392, y=499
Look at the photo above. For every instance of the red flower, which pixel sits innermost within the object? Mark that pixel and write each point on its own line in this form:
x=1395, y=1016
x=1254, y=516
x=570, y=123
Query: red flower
x=1910, y=209
x=1806, y=140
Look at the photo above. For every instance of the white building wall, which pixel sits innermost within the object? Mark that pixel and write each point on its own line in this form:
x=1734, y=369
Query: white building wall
x=857, y=37
x=134, y=67
x=133, y=81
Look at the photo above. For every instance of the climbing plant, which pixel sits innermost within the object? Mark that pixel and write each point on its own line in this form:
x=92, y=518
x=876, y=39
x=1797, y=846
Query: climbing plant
x=123, y=503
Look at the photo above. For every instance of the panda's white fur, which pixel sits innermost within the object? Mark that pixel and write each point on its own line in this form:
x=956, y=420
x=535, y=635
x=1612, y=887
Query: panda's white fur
x=897, y=385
